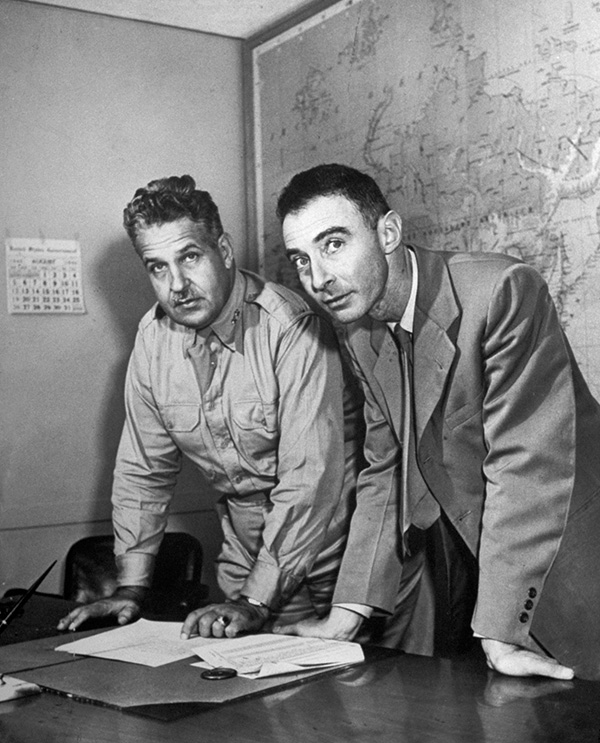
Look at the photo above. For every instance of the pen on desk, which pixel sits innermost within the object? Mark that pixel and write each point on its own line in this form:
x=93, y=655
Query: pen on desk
x=24, y=598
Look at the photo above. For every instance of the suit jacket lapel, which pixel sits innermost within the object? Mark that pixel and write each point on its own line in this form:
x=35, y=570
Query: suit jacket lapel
x=433, y=337
x=378, y=360
x=387, y=373
x=434, y=349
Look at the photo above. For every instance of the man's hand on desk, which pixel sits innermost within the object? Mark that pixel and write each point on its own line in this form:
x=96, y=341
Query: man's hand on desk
x=125, y=604
x=339, y=624
x=225, y=620
x=513, y=660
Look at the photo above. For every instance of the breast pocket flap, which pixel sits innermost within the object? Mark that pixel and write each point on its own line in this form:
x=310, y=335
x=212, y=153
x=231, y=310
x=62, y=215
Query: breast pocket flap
x=180, y=417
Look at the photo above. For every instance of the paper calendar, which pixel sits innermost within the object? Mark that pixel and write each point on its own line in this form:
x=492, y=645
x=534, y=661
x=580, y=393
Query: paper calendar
x=44, y=276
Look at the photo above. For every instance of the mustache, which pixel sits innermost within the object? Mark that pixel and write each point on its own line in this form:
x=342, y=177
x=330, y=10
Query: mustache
x=183, y=296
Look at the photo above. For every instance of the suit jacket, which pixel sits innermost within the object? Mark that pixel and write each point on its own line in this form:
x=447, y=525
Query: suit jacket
x=508, y=442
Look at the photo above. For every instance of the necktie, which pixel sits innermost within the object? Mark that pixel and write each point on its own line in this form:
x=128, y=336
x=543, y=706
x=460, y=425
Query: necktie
x=419, y=507
x=203, y=355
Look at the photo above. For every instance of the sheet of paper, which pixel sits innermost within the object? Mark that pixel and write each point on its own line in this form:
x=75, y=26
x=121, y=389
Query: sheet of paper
x=258, y=656
x=145, y=642
x=13, y=688
x=254, y=656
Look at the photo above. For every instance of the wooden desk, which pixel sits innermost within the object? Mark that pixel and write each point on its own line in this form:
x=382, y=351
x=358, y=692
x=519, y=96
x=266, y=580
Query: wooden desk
x=404, y=698
x=38, y=618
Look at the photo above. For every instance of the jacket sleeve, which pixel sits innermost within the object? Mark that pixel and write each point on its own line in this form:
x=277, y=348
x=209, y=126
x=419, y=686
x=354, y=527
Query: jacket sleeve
x=529, y=469
x=371, y=567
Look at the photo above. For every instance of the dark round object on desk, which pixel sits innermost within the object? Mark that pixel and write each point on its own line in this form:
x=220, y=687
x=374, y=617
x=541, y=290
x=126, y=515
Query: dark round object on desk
x=218, y=674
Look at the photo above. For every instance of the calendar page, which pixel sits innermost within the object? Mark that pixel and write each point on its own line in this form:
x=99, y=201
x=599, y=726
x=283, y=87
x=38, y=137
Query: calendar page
x=44, y=276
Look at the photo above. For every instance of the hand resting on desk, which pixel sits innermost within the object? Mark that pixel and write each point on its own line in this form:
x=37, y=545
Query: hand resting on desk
x=125, y=604
x=339, y=624
x=510, y=660
x=514, y=660
x=225, y=620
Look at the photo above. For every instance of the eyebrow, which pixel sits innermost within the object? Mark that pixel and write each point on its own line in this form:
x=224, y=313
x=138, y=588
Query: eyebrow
x=335, y=230
x=330, y=231
x=180, y=251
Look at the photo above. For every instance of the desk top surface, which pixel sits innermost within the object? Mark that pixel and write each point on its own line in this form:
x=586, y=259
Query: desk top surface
x=402, y=698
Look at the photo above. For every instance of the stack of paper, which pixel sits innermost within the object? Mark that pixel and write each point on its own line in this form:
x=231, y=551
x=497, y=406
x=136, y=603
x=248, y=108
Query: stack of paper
x=258, y=656
x=254, y=656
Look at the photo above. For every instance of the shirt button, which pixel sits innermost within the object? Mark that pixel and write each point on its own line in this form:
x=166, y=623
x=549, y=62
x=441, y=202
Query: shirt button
x=528, y=604
x=532, y=593
x=523, y=617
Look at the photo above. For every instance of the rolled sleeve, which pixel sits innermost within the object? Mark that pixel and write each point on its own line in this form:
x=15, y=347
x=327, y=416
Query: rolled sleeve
x=311, y=460
x=146, y=470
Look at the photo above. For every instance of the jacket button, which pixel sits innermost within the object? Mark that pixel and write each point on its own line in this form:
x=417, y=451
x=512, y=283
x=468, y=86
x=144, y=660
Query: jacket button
x=523, y=617
x=528, y=604
x=532, y=593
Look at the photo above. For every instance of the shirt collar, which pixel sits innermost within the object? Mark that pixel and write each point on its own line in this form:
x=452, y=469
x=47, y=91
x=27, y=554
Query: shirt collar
x=226, y=324
x=224, y=327
x=407, y=321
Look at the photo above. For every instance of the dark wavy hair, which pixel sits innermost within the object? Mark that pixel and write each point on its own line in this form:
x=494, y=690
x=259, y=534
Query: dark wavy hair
x=169, y=199
x=332, y=179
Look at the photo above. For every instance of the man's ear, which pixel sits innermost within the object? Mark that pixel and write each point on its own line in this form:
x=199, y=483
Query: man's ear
x=389, y=231
x=226, y=249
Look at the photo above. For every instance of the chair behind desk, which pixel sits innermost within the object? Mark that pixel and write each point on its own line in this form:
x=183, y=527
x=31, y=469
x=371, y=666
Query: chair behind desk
x=90, y=573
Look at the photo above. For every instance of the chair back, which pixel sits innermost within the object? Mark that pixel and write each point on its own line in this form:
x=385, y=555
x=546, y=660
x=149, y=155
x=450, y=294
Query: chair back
x=91, y=573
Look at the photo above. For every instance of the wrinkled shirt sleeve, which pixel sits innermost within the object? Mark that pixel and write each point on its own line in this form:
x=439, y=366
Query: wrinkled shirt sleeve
x=310, y=470
x=148, y=462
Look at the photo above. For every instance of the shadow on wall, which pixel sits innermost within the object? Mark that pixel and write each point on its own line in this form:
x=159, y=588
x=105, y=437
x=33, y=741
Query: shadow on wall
x=125, y=292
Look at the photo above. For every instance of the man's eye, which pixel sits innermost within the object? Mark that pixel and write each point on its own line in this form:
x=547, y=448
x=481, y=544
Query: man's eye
x=333, y=245
x=299, y=262
x=190, y=257
x=157, y=268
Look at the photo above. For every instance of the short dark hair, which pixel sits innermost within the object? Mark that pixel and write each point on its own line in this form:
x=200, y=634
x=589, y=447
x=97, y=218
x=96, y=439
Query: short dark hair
x=332, y=179
x=170, y=199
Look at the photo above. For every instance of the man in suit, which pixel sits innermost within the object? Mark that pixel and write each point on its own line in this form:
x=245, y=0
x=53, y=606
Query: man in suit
x=501, y=434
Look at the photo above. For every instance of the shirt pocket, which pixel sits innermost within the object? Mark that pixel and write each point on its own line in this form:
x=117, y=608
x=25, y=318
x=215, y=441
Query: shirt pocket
x=180, y=417
x=255, y=428
x=250, y=415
